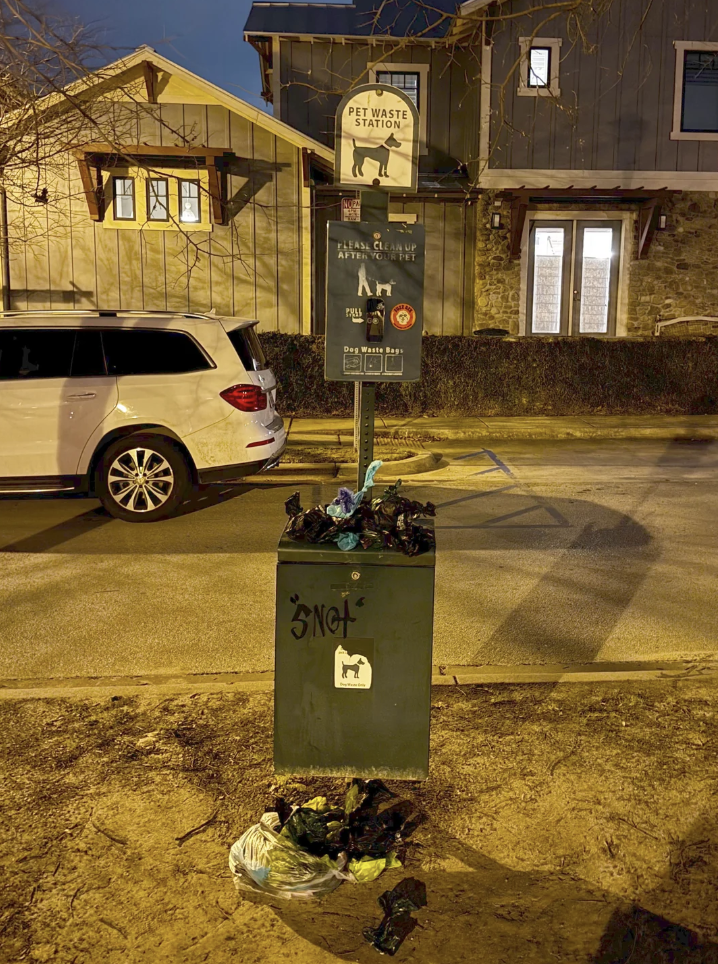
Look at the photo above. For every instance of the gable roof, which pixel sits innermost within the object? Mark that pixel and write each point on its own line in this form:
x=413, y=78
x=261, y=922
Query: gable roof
x=363, y=18
x=214, y=93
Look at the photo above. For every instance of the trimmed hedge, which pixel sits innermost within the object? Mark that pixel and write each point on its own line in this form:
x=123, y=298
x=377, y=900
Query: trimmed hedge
x=523, y=376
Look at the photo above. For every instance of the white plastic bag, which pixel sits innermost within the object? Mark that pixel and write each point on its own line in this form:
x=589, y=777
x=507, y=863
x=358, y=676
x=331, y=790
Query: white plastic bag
x=263, y=860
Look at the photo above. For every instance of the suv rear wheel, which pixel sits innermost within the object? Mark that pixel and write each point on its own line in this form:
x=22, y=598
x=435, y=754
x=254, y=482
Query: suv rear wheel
x=143, y=478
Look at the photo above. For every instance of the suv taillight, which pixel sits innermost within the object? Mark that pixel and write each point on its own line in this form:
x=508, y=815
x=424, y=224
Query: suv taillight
x=247, y=398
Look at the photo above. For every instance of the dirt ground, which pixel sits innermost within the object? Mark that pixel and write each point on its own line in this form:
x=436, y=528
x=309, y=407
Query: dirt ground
x=570, y=823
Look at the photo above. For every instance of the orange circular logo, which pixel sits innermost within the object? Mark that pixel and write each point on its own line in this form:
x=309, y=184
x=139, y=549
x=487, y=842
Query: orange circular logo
x=403, y=317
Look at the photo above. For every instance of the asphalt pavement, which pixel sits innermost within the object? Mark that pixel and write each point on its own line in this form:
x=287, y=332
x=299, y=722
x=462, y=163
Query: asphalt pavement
x=553, y=551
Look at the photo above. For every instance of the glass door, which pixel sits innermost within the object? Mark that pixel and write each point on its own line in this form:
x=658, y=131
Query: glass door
x=595, y=285
x=572, y=282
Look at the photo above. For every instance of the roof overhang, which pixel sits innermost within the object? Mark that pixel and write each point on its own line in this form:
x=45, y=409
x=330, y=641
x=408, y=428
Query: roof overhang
x=110, y=74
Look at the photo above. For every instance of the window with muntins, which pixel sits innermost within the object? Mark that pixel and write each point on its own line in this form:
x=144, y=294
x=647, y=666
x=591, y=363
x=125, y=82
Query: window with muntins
x=189, y=204
x=157, y=199
x=123, y=193
x=407, y=82
x=700, y=91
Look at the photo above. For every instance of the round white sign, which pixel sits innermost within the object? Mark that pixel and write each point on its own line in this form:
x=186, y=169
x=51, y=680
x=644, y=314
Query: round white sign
x=377, y=139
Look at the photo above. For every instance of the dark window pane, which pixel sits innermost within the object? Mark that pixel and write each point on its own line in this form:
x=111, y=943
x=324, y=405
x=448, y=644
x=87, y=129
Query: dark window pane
x=249, y=348
x=700, y=91
x=145, y=351
x=35, y=353
x=88, y=359
x=409, y=83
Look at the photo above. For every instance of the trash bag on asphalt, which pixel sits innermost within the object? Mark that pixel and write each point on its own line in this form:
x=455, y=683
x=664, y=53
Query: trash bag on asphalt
x=396, y=925
x=385, y=523
x=266, y=861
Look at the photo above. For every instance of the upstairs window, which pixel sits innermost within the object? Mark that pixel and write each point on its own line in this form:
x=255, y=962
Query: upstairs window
x=409, y=83
x=539, y=67
x=157, y=199
x=413, y=80
x=700, y=91
x=123, y=195
x=539, y=73
x=189, y=206
x=695, y=98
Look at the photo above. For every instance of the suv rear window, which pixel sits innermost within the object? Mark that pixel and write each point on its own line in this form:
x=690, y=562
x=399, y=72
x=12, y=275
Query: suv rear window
x=249, y=348
x=149, y=351
x=27, y=353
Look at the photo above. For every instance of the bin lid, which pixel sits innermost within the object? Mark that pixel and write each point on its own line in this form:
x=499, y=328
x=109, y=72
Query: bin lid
x=329, y=552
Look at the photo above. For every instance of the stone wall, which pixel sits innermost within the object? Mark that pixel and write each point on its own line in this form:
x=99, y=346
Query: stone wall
x=498, y=278
x=679, y=276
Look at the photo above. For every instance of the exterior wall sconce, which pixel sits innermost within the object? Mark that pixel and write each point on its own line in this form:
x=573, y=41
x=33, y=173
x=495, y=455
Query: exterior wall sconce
x=662, y=222
x=496, y=219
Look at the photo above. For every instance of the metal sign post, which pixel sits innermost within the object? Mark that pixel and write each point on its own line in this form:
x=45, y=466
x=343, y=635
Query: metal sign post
x=375, y=269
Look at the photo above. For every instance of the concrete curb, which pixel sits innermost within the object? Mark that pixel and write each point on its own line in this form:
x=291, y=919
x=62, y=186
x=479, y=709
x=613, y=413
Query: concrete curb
x=495, y=428
x=347, y=471
x=105, y=687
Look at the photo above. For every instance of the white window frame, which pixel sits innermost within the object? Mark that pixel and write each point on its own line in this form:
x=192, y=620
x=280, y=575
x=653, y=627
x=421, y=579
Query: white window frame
x=554, y=45
x=627, y=253
x=423, y=71
x=677, y=134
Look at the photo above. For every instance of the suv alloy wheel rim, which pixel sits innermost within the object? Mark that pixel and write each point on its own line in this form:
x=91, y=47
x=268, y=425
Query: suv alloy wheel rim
x=140, y=480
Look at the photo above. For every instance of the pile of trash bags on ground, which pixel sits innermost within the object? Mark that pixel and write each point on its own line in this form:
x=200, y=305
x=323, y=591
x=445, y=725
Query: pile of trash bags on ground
x=385, y=523
x=308, y=851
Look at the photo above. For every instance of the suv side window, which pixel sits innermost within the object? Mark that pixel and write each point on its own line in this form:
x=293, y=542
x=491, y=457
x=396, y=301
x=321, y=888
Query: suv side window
x=29, y=353
x=88, y=359
x=148, y=351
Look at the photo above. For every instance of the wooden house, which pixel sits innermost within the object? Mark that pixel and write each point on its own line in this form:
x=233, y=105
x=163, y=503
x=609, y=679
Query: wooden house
x=180, y=197
x=569, y=174
x=311, y=54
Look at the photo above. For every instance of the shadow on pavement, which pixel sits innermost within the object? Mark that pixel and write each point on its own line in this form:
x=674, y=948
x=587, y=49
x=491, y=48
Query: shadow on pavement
x=481, y=910
x=203, y=497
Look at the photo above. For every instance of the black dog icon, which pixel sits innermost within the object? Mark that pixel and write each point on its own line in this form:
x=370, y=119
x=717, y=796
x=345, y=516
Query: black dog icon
x=380, y=154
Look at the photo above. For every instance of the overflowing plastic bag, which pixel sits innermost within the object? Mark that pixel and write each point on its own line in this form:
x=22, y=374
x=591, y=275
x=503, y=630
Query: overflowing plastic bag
x=271, y=862
x=308, y=851
x=386, y=523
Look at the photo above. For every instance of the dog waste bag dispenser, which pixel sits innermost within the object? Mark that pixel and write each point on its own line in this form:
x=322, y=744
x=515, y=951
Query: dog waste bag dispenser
x=353, y=661
x=375, y=290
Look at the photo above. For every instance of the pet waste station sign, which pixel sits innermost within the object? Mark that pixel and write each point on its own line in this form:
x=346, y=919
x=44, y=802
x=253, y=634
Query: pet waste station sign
x=375, y=291
x=377, y=139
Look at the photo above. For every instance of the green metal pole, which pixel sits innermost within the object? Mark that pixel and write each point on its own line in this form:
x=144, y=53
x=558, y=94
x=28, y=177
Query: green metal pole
x=374, y=209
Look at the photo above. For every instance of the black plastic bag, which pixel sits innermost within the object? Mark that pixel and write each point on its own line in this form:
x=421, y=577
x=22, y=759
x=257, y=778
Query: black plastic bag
x=396, y=925
x=308, y=830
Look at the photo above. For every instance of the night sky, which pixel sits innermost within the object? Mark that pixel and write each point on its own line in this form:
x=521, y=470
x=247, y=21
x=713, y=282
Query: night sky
x=205, y=36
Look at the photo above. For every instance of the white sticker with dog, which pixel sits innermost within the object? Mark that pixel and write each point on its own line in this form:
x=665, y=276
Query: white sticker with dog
x=352, y=671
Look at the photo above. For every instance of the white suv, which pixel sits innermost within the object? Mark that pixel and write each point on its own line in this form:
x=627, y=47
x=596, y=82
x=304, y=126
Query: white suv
x=133, y=407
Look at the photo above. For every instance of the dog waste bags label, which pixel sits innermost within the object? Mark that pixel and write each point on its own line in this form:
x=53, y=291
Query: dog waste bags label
x=353, y=664
x=370, y=264
x=377, y=138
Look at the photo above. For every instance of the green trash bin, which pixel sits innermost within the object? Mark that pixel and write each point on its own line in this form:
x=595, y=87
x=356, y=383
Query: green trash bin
x=353, y=642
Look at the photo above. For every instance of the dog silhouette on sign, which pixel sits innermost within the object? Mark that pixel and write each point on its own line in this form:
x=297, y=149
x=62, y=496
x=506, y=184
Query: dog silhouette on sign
x=354, y=667
x=365, y=283
x=378, y=154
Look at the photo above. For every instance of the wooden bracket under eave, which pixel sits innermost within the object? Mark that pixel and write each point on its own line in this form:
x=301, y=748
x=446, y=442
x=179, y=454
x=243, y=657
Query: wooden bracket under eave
x=214, y=191
x=92, y=189
x=150, y=73
x=649, y=215
x=519, y=207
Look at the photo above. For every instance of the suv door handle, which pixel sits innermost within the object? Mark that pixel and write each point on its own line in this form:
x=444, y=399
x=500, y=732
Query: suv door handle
x=84, y=395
